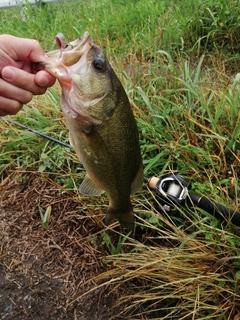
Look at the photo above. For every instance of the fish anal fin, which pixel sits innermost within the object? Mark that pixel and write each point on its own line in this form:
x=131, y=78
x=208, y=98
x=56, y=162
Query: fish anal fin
x=138, y=180
x=88, y=188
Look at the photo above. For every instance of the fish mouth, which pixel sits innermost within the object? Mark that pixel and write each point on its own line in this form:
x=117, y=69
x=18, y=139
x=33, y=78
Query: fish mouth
x=66, y=50
x=68, y=59
x=67, y=55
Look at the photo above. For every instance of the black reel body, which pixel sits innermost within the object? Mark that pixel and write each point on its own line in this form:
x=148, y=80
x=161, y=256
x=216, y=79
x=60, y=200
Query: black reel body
x=171, y=190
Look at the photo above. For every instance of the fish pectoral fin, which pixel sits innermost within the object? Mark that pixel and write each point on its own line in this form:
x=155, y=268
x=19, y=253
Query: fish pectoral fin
x=88, y=188
x=138, y=180
x=72, y=144
x=102, y=108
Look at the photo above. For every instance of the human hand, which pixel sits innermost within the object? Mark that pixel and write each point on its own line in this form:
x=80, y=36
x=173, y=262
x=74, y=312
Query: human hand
x=19, y=80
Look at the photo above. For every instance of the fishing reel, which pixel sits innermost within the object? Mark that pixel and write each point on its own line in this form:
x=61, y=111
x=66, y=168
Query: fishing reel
x=171, y=190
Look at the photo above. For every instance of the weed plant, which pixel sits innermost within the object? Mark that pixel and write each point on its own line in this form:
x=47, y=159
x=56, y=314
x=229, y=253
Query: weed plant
x=178, y=63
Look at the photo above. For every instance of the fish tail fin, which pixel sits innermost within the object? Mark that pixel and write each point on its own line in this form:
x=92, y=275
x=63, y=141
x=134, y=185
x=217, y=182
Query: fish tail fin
x=125, y=218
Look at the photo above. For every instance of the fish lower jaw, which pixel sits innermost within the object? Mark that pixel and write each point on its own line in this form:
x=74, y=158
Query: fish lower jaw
x=76, y=112
x=60, y=72
x=82, y=119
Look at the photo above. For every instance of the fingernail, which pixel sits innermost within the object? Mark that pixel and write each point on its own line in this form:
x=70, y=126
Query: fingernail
x=8, y=73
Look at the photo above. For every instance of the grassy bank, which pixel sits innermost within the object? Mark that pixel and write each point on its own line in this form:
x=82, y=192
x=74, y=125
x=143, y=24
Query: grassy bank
x=179, y=64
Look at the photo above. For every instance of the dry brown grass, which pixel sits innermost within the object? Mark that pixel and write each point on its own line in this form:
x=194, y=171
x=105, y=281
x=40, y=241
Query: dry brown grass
x=67, y=271
x=43, y=270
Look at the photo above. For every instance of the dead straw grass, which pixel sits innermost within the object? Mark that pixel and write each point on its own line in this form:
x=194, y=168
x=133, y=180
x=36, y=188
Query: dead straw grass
x=48, y=267
x=67, y=271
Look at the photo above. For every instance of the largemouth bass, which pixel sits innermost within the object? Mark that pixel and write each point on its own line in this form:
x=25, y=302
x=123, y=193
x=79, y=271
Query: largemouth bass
x=102, y=127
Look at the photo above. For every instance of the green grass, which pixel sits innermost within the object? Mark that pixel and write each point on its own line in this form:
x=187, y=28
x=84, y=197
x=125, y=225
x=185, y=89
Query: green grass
x=179, y=65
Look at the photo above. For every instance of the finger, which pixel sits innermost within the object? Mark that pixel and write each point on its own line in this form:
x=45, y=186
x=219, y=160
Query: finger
x=22, y=79
x=9, y=107
x=44, y=79
x=22, y=48
x=10, y=91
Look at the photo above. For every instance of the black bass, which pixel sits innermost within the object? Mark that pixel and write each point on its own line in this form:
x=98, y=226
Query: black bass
x=101, y=124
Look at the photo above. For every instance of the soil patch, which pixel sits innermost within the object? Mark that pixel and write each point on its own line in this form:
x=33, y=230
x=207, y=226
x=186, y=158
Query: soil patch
x=43, y=272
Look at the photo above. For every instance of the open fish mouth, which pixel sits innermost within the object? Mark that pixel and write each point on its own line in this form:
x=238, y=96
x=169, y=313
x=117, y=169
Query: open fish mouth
x=71, y=59
x=67, y=55
x=77, y=48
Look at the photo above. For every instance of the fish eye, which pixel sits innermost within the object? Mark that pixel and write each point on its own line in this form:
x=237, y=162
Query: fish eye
x=99, y=64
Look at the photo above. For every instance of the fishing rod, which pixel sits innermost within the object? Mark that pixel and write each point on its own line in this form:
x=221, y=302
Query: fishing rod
x=38, y=133
x=171, y=190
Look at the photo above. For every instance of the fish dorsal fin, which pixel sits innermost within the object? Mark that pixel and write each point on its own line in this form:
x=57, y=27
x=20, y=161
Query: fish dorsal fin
x=88, y=188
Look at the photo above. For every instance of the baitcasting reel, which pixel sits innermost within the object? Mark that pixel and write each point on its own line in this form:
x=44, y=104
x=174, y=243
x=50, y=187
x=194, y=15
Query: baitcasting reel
x=172, y=191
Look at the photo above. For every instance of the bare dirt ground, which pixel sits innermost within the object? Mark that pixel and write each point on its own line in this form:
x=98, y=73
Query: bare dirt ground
x=44, y=272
